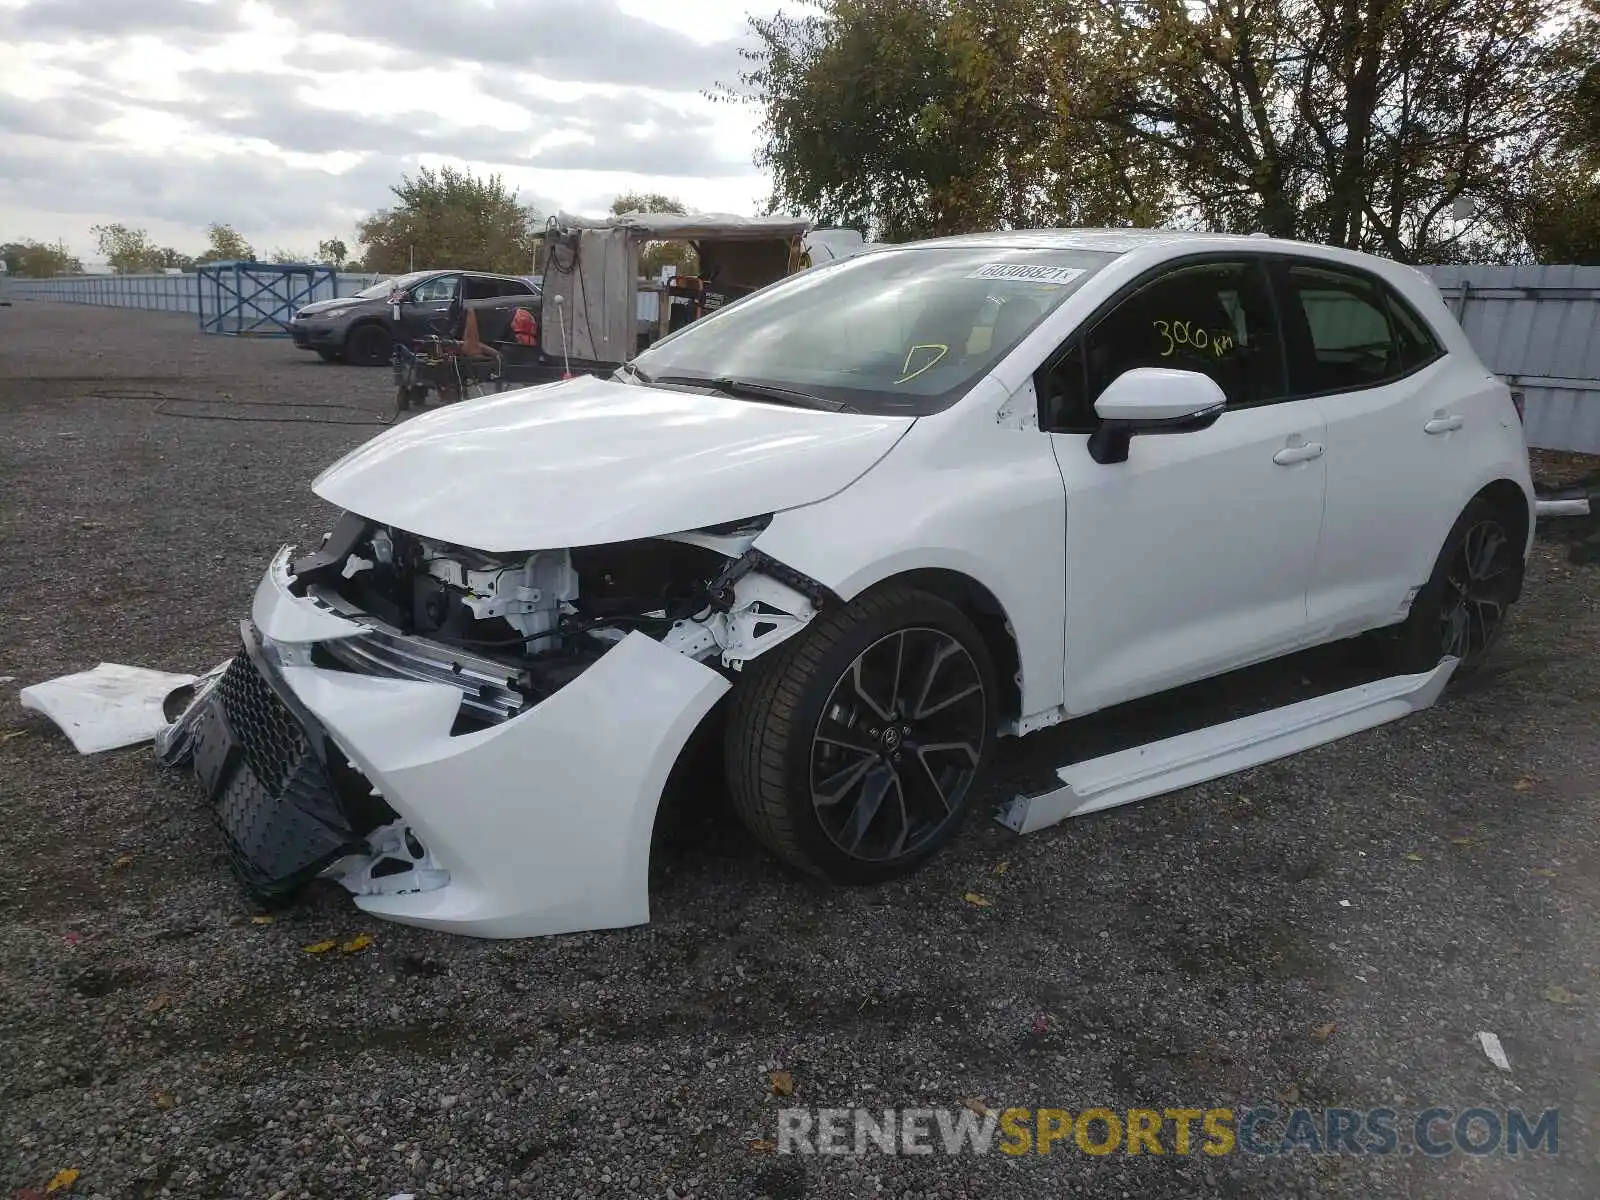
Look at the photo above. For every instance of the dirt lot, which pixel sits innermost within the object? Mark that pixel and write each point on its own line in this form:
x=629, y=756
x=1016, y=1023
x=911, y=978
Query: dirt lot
x=1328, y=931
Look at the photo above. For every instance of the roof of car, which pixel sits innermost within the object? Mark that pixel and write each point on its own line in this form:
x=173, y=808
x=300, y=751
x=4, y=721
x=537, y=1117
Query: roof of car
x=1113, y=241
x=431, y=272
x=1174, y=241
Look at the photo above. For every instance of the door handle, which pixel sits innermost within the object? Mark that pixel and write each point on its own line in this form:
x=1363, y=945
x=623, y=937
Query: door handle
x=1443, y=423
x=1298, y=453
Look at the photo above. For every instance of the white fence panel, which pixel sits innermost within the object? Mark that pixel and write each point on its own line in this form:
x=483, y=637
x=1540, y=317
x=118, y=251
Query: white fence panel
x=156, y=293
x=1539, y=328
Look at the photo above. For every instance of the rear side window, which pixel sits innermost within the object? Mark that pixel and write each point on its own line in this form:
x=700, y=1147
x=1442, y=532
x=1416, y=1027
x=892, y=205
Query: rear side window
x=1418, y=346
x=1360, y=333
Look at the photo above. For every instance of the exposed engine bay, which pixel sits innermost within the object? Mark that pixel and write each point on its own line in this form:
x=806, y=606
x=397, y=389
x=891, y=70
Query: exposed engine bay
x=317, y=764
x=511, y=630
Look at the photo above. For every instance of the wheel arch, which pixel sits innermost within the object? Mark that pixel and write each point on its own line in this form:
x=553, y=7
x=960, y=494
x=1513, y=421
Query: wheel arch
x=1508, y=496
x=1500, y=488
x=980, y=606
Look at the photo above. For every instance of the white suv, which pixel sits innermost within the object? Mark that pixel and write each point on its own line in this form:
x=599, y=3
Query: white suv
x=858, y=524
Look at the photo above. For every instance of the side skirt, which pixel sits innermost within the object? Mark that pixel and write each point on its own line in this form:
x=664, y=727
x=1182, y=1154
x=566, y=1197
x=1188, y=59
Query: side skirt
x=1205, y=754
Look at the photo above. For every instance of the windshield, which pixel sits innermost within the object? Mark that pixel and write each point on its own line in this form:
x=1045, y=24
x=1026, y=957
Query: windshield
x=896, y=331
x=383, y=287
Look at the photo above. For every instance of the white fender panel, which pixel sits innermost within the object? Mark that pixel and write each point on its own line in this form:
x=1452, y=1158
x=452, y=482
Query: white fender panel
x=960, y=493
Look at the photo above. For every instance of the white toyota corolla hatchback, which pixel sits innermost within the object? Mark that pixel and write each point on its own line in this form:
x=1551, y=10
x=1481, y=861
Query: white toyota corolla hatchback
x=861, y=524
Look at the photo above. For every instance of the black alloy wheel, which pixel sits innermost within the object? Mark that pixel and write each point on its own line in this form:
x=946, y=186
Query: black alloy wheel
x=854, y=749
x=898, y=744
x=1478, y=592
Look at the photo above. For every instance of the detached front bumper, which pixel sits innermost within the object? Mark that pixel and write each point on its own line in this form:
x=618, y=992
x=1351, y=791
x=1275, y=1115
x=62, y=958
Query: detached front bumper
x=538, y=825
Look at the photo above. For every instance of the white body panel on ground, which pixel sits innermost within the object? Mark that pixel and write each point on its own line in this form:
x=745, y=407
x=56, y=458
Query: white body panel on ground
x=108, y=707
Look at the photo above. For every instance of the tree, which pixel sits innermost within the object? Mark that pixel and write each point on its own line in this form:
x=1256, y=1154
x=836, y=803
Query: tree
x=226, y=245
x=127, y=251
x=169, y=259
x=450, y=218
x=333, y=252
x=971, y=120
x=1561, y=218
x=655, y=255
x=1358, y=123
x=1561, y=214
x=30, y=259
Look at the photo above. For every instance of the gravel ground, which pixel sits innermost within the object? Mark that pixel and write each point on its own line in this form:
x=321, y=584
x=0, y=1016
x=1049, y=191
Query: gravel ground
x=1331, y=930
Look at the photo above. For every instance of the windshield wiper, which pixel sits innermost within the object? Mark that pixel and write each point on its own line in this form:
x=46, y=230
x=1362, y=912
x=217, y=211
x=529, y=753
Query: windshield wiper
x=744, y=388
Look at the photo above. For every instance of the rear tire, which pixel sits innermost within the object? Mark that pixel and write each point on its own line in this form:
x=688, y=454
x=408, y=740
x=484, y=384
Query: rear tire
x=853, y=750
x=1463, y=607
x=368, y=345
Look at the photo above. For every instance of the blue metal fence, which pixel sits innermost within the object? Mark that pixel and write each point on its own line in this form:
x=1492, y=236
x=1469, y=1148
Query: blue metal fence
x=252, y=299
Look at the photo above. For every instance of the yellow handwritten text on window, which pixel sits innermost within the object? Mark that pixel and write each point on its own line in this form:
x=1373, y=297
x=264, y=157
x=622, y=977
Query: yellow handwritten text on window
x=1175, y=334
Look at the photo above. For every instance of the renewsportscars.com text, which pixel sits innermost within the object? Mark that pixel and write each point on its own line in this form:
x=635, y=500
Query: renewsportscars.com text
x=1262, y=1130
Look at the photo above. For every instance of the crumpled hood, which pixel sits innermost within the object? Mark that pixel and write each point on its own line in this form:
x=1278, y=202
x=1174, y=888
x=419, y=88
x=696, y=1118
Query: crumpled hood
x=589, y=461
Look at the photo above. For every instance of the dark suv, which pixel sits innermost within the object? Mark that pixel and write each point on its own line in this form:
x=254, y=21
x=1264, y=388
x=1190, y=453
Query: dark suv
x=362, y=329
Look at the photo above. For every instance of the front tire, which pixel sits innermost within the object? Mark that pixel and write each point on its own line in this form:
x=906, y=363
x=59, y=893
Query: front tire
x=1461, y=611
x=854, y=749
x=368, y=345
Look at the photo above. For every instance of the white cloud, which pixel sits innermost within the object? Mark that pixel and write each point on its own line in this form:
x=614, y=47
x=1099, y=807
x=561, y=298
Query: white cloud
x=289, y=119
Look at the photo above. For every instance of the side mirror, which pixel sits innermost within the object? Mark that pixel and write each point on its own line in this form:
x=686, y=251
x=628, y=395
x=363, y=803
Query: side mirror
x=1152, y=400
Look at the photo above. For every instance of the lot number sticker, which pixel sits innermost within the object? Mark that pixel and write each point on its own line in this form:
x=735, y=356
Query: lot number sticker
x=1028, y=273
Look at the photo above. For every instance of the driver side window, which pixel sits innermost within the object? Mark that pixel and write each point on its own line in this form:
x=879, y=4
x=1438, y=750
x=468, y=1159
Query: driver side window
x=1215, y=318
x=437, y=290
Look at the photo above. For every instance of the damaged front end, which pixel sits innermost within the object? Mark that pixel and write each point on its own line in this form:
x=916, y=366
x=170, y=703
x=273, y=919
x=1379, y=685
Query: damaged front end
x=472, y=741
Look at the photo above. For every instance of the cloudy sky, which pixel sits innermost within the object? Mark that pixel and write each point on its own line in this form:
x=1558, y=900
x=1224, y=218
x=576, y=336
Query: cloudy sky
x=289, y=119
